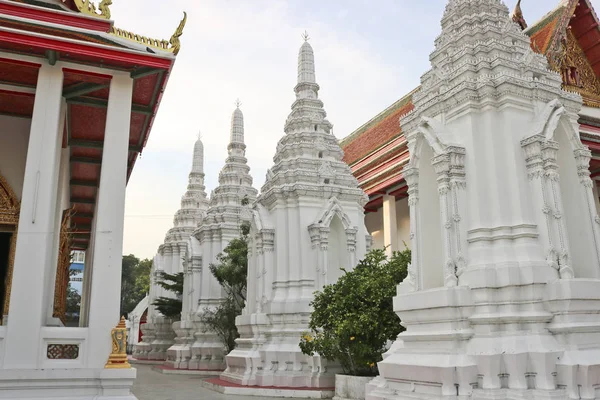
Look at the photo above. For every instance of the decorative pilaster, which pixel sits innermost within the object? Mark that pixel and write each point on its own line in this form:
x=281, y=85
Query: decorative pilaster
x=411, y=283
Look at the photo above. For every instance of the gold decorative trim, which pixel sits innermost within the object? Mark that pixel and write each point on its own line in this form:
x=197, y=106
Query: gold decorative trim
x=87, y=7
x=61, y=283
x=576, y=71
x=118, y=357
x=10, y=207
x=9, y=273
x=172, y=45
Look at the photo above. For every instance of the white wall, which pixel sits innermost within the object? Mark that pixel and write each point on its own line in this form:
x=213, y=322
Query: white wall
x=14, y=139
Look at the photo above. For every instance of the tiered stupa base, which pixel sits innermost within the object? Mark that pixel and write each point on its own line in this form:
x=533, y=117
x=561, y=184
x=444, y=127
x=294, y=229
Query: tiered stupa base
x=164, y=338
x=208, y=352
x=277, y=362
x=179, y=355
x=537, y=341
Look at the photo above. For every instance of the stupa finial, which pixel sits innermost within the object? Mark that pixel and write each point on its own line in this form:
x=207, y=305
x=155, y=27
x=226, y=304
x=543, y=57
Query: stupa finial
x=199, y=135
x=517, y=16
x=237, y=124
x=306, y=62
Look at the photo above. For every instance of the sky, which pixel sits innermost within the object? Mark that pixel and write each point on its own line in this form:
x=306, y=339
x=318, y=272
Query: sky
x=368, y=54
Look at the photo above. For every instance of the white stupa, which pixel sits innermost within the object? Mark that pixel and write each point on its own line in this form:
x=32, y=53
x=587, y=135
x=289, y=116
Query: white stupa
x=221, y=225
x=307, y=223
x=502, y=297
x=158, y=331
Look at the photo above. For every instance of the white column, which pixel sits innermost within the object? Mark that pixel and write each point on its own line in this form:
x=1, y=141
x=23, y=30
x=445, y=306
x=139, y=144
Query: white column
x=110, y=214
x=390, y=225
x=35, y=243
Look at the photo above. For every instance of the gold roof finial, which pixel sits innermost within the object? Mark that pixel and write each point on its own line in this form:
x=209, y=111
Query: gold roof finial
x=172, y=46
x=87, y=7
x=305, y=36
x=174, y=42
x=517, y=16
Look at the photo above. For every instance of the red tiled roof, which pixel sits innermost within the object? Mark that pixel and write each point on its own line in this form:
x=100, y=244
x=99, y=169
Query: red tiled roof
x=375, y=133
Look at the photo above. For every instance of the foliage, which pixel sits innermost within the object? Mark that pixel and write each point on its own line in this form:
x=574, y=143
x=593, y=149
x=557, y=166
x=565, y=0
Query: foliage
x=353, y=319
x=222, y=321
x=73, y=303
x=231, y=272
x=168, y=306
x=135, y=282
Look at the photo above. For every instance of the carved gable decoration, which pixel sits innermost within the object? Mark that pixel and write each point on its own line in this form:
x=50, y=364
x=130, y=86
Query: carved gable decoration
x=576, y=71
x=9, y=204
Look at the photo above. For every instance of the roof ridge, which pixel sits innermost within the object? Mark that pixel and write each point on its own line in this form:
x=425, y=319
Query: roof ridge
x=393, y=107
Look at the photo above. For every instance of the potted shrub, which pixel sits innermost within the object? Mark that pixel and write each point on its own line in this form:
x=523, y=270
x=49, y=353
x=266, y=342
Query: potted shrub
x=353, y=321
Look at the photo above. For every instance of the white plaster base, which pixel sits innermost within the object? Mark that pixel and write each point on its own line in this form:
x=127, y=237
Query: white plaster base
x=278, y=360
x=165, y=338
x=350, y=387
x=171, y=371
x=74, y=384
x=207, y=351
x=180, y=354
x=269, y=392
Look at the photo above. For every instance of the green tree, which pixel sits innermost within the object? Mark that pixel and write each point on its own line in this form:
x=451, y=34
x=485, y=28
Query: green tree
x=142, y=279
x=73, y=304
x=231, y=272
x=353, y=319
x=135, y=282
x=168, y=306
x=129, y=298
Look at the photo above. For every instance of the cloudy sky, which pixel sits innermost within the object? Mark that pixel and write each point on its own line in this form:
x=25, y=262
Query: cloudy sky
x=368, y=53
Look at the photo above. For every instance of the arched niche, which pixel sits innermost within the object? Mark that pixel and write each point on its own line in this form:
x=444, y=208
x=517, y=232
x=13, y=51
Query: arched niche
x=436, y=181
x=337, y=252
x=562, y=193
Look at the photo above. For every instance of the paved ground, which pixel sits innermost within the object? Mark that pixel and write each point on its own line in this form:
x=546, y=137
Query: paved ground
x=152, y=385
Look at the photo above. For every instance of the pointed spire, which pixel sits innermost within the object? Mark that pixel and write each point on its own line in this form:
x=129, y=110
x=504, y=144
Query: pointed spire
x=237, y=124
x=517, y=16
x=198, y=163
x=306, y=62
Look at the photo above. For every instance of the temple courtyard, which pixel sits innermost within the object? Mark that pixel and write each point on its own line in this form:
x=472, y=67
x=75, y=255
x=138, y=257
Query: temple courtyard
x=153, y=385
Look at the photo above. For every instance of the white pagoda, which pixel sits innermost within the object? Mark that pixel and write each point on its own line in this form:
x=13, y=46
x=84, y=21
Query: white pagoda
x=159, y=334
x=307, y=224
x=230, y=198
x=502, y=297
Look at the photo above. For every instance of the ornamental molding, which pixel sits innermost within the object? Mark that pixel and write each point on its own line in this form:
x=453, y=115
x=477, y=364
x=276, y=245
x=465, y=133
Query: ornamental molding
x=173, y=45
x=10, y=205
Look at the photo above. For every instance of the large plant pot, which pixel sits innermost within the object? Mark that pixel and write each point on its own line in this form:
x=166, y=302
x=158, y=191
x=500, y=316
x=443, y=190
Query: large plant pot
x=349, y=387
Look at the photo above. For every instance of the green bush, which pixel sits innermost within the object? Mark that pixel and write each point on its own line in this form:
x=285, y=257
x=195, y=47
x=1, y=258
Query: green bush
x=353, y=319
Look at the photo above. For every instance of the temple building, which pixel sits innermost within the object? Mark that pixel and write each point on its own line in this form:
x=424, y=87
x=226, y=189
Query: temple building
x=226, y=213
x=159, y=333
x=306, y=226
x=78, y=97
x=378, y=151
x=494, y=155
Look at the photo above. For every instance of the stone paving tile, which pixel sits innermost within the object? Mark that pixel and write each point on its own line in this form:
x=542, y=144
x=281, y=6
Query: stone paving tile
x=152, y=385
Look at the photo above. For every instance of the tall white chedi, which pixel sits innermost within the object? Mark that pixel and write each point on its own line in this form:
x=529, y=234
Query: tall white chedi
x=222, y=222
x=502, y=295
x=158, y=331
x=307, y=224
